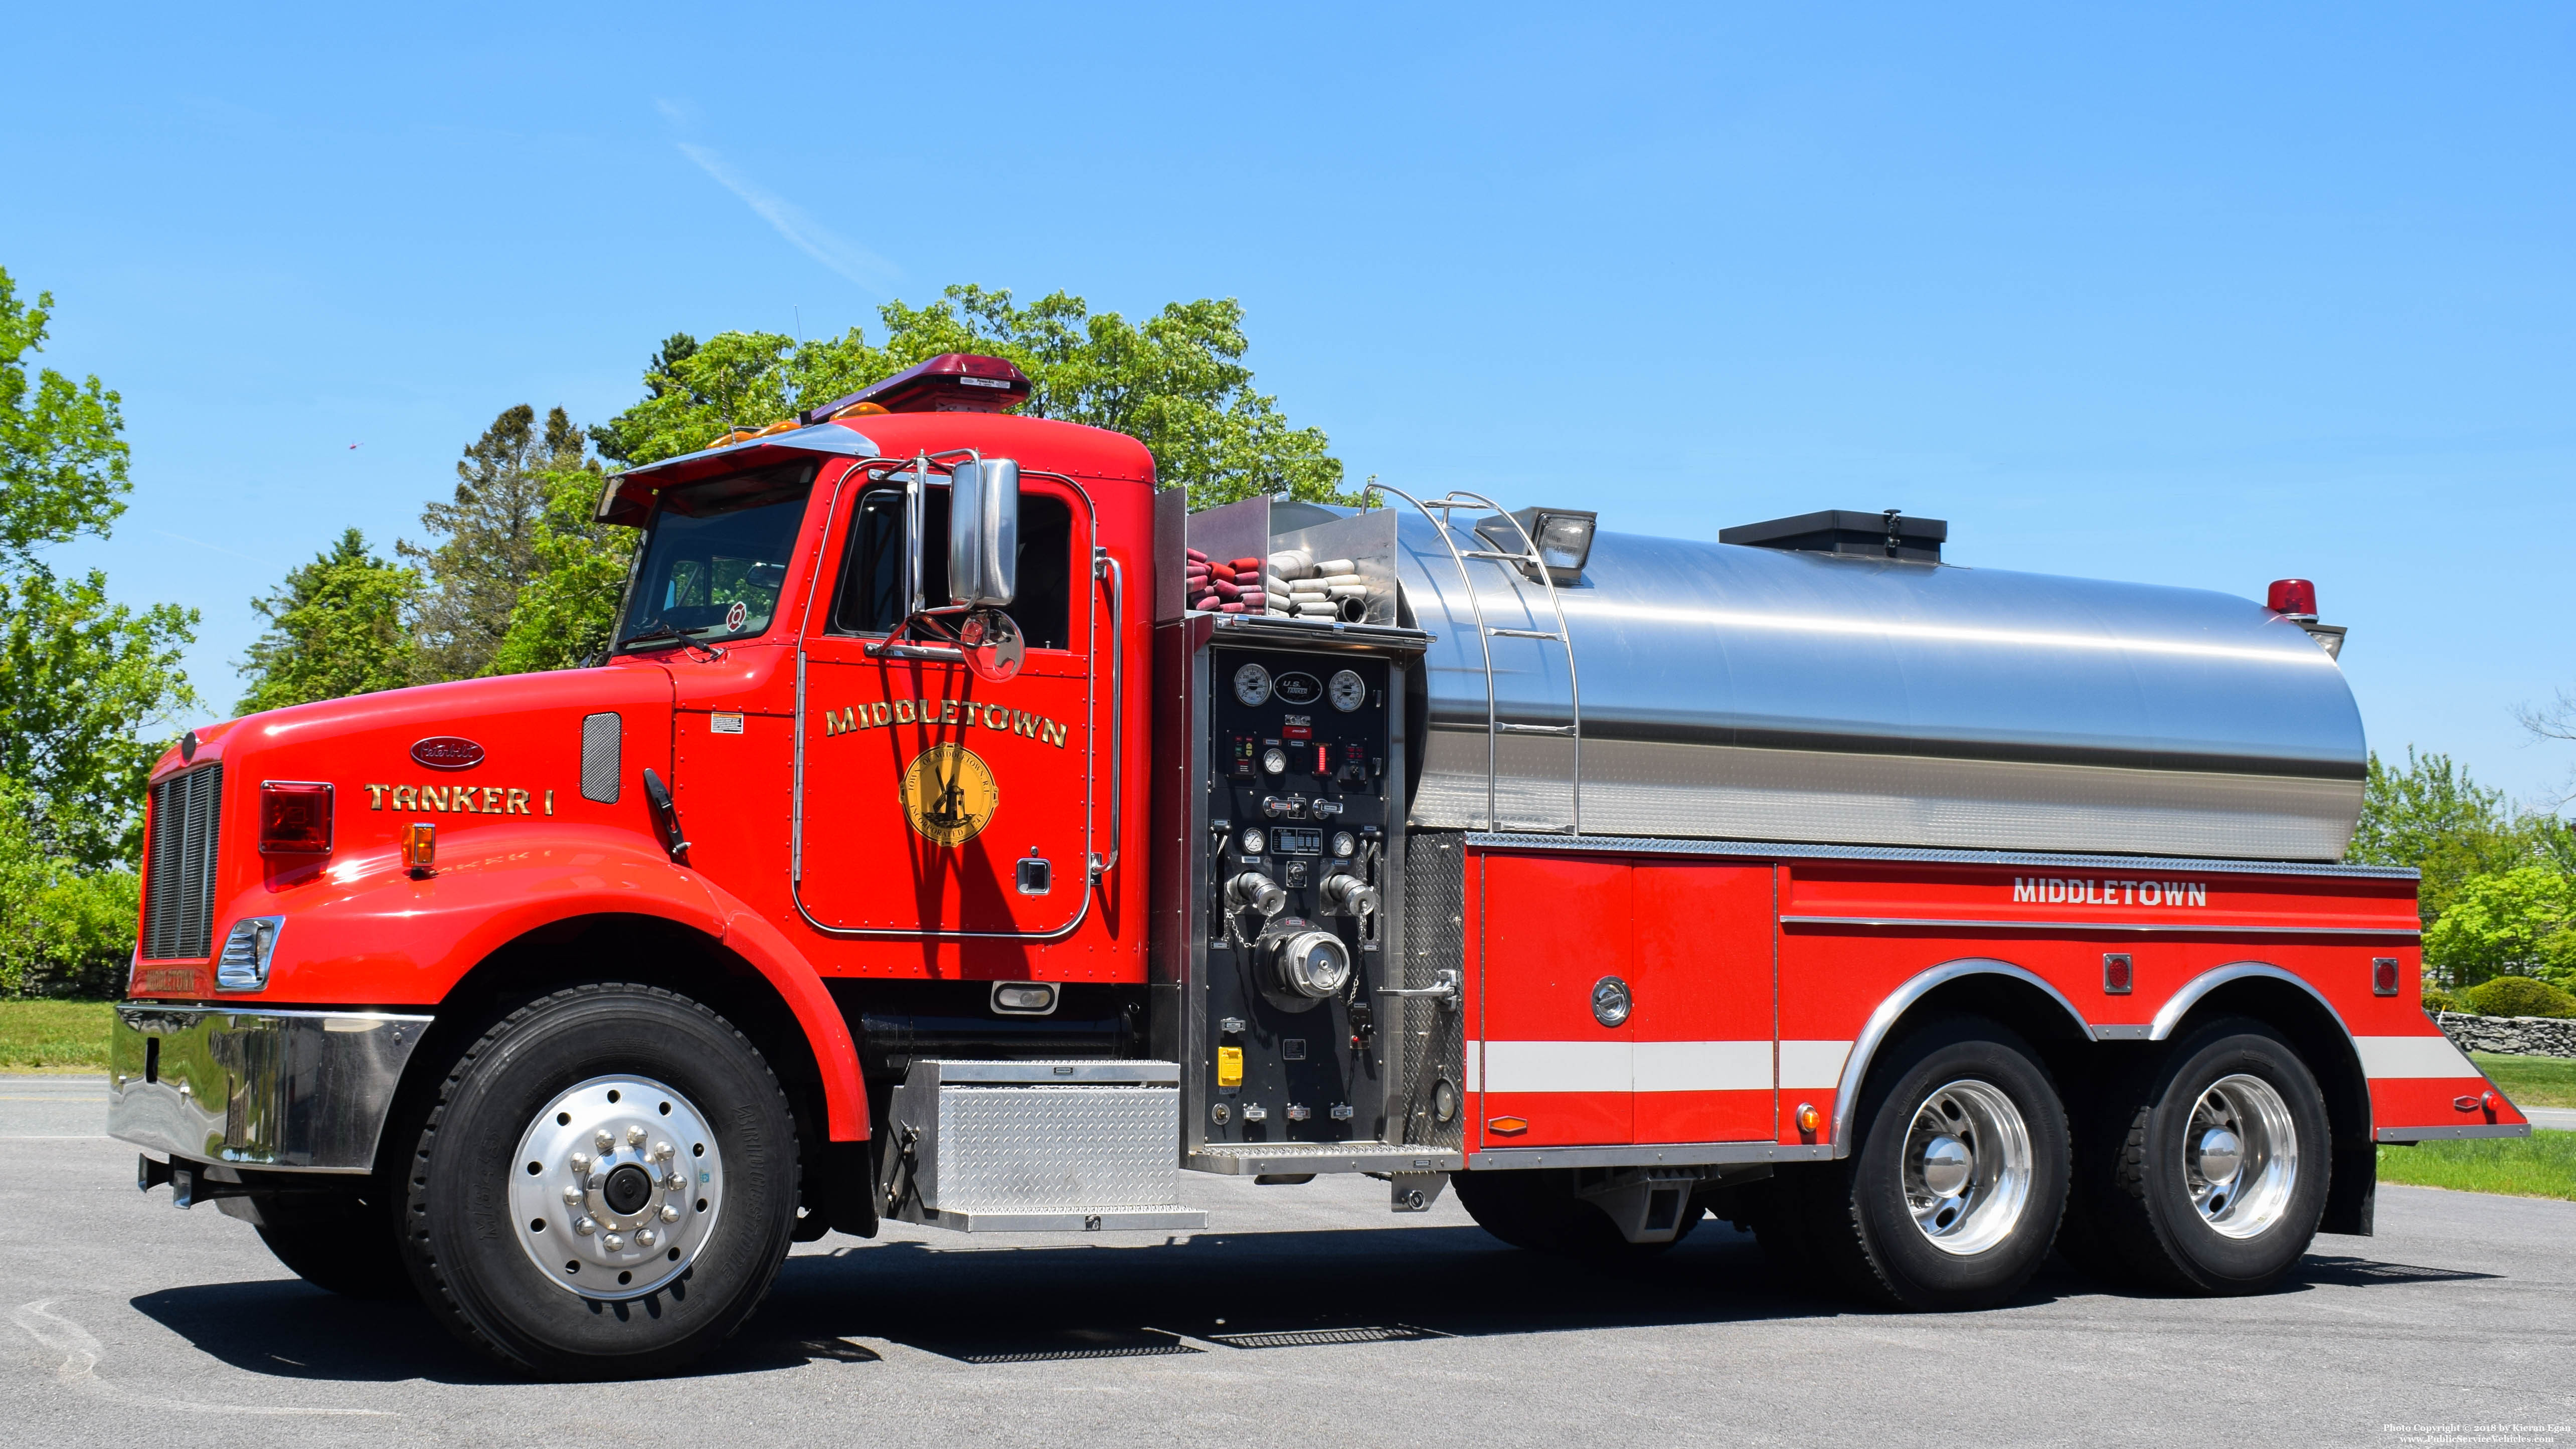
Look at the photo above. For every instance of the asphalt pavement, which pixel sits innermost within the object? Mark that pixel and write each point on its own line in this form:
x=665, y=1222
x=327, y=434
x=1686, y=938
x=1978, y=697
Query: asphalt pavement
x=1304, y=1315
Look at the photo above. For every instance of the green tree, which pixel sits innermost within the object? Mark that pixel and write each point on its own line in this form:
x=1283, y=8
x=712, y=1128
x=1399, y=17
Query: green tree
x=62, y=465
x=565, y=613
x=2433, y=817
x=83, y=683
x=82, y=680
x=336, y=627
x=2518, y=922
x=1177, y=382
x=486, y=549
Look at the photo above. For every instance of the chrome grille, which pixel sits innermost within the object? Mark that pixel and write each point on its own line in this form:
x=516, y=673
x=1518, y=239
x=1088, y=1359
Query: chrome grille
x=179, y=873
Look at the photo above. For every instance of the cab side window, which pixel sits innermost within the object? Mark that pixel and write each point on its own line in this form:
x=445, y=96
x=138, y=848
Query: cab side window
x=870, y=597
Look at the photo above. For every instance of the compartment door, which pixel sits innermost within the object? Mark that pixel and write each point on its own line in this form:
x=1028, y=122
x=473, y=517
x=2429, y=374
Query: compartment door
x=1701, y=1027
x=1554, y=927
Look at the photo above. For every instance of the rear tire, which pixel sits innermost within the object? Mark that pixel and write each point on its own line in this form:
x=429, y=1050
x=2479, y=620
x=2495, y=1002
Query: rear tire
x=2214, y=1164
x=625, y=1264
x=1952, y=1195
x=343, y=1245
x=1536, y=1209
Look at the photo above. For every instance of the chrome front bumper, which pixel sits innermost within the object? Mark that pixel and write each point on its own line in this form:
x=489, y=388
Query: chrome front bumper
x=299, y=1090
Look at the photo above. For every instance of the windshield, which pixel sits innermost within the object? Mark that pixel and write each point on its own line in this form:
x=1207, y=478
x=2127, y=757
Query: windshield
x=714, y=558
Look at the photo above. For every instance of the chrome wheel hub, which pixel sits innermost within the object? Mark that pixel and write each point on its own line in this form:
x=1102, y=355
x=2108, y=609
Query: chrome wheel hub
x=616, y=1187
x=1967, y=1169
x=2240, y=1156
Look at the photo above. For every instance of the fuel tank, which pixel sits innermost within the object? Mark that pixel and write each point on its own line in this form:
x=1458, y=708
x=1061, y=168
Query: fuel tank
x=1734, y=692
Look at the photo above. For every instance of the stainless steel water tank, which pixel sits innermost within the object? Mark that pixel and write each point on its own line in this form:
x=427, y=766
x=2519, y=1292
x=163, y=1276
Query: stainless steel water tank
x=1750, y=693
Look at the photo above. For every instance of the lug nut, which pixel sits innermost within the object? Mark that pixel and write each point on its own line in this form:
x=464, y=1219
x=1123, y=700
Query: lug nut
x=572, y=1196
x=586, y=1226
x=580, y=1163
x=634, y=1136
x=644, y=1237
x=670, y=1214
x=662, y=1151
x=671, y=1182
x=615, y=1243
x=606, y=1142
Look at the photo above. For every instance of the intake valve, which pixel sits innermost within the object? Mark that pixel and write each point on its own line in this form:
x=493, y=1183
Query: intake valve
x=1348, y=895
x=1313, y=963
x=1255, y=891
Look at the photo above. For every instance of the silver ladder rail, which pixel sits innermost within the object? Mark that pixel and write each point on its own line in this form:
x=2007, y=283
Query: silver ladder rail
x=1534, y=565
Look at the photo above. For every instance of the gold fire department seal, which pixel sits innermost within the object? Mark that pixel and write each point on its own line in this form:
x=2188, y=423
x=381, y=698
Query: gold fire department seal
x=949, y=794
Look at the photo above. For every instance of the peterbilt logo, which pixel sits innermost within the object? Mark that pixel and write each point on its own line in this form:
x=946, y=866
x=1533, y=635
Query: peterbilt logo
x=447, y=752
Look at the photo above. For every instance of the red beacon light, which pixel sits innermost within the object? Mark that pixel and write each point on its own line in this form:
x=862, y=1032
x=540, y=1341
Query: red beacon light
x=2294, y=597
x=952, y=382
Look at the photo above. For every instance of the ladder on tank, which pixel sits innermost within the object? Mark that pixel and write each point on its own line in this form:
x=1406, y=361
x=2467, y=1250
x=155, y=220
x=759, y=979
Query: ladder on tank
x=1438, y=511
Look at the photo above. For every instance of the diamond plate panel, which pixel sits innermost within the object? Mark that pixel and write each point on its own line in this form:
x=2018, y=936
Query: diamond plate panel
x=1006, y=1149
x=1431, y=1036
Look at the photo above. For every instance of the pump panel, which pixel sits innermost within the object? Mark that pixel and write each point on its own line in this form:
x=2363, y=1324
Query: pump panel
x=1302, y=807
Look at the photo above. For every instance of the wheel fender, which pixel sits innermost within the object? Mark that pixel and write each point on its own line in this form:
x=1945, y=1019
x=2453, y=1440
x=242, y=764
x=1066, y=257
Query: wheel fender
x=845, y=1094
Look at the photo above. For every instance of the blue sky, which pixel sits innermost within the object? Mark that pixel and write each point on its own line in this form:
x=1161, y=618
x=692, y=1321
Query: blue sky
x=2201, y=296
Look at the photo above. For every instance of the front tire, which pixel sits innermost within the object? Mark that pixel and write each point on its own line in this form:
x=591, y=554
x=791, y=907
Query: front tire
x=2217, y=1166
x=1952, y=1196
x=606, y=1187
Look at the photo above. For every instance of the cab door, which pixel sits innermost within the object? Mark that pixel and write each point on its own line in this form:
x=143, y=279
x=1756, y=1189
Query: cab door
x=931, y=802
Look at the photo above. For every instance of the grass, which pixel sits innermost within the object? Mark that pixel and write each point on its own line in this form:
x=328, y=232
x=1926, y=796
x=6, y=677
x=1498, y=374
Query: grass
x=2532, y=1081
x=54, y=1036
x=2541, y=1165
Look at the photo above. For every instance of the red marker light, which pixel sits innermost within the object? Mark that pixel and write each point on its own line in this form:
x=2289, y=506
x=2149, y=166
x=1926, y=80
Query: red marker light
x=2384, y=972
x=2294, y=597
x=294, y=818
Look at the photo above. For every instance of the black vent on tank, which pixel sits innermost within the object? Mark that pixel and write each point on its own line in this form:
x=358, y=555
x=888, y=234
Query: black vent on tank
x=179, y=865
x=1885, y=534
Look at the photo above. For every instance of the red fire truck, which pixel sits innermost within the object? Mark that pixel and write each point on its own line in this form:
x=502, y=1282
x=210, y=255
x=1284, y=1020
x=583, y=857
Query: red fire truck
x=961, y=831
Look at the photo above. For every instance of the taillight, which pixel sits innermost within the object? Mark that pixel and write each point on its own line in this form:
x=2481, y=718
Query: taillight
x=2384, y=972
x=294, y=818
x=2294, y=597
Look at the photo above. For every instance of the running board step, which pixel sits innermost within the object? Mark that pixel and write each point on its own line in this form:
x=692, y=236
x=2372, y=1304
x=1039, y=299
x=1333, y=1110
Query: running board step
x=1255, y=1159
x=1036, y=1147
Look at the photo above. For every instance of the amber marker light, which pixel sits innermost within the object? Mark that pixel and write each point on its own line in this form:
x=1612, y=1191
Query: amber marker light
x=420, y=847
x=1809, y=1119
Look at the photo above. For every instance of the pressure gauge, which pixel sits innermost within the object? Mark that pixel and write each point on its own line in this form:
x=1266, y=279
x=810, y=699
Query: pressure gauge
x=1348, y=691
x=1343, y=844
x=1274, y=759
x=1252, y=841
x=1252, y=684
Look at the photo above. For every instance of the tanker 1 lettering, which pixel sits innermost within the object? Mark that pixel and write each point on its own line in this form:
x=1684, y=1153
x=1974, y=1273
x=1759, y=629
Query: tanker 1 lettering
x=2056, y=890
x=462, y=799
x=850, y=719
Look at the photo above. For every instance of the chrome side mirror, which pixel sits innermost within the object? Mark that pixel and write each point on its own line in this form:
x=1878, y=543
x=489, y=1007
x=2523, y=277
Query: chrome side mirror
x=984, y=533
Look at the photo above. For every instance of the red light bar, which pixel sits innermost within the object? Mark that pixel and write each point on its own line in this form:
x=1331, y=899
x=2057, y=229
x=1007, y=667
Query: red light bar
x=952, y=382
x=2294, y=597
x=294, y=818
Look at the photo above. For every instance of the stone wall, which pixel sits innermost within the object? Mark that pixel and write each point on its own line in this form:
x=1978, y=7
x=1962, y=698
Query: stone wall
x=2532, y=1036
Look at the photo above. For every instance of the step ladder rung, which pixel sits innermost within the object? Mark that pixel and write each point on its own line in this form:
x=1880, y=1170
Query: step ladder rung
x=1508, y=728
x=1501, y=633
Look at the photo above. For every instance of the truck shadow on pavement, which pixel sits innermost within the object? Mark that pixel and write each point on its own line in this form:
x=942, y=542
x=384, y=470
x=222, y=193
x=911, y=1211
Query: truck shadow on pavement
x=983, y=1303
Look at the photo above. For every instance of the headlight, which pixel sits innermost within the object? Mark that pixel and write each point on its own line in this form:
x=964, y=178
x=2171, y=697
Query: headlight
x=247, y=949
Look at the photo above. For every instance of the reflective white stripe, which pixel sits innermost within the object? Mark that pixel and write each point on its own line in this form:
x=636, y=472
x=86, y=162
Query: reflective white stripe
x=1556, y=1066
x=1475, y=1066
x=2412, y=1056
x=1702, y=1066
x=1620, y=1066
x=1812, y=1064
